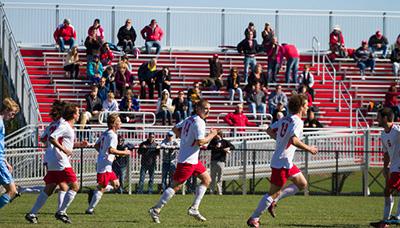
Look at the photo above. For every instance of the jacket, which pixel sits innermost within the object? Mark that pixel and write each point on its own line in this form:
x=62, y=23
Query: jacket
x=290, y=51
x=66, y=32
x=238, y=120
x=125, y=34
x=149, y=153
x=374, y=40
x=152, y=35
x=244, y=47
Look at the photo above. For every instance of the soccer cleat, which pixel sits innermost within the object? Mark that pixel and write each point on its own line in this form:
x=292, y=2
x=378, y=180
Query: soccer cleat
x=63, y=217
x=196, y=214
x=32, y=218
x=252, y=222
x=380, y=224
x=90, y=196
x=271, y=209
x=392, y=220
x=154, y=215
x=89, y=212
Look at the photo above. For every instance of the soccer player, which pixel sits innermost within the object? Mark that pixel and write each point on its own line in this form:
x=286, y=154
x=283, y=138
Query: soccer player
x=59, y=169
x=106, y=145
x=287, y=132
x=9, y=110
x=192, y=133
x=390, y=138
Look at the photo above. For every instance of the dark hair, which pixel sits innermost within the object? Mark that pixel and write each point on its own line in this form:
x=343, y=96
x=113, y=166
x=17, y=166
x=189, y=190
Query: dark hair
x=56, y=109
x=388, y=113
x=251, y=24
x=296, y=102
x=97, y=20
x=69, y=111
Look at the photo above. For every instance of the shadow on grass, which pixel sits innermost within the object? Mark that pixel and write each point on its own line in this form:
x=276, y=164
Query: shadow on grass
x=333, y=225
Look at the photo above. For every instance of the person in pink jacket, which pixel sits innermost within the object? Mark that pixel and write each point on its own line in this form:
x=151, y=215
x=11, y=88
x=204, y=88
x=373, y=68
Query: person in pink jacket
x=153, y=34
x=65, y=34
x=275, y=57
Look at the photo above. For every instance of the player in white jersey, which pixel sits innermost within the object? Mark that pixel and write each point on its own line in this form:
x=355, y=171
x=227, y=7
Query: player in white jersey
x=287, y=132
x=106, y=145
x=390, y=138
x=59, y=151
x=192, y=134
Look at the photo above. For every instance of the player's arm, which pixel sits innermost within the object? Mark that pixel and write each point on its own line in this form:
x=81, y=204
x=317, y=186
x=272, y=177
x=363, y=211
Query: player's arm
x=8, y=165
x=177, y=131
x=208, y=138
x=386, y=163
x=112, y=150
x=271, y=132
x=299, y=144
x=97, y=146
x=81, y=144
x=59, y=146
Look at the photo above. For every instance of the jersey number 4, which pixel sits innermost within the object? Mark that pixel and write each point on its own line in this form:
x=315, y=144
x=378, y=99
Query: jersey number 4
x=284, y=129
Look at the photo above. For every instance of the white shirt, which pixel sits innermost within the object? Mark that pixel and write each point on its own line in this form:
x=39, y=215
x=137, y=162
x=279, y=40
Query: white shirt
x=391, y=145
x=107, y=140
x=192, y=128
x=56, y=159
x=286, y=128
x=46, y=134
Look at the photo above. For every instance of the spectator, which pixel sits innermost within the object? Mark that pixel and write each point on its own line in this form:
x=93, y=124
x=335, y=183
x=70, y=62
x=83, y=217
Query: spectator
x=214, y=82
x=93, y=45
x=180, y=104
x=258, y=76
x=103, y=90
x=307, y=79
x=256, y=100
x=149, y=150
x=120, y=163
x=233, y=85
x=267, y=36
x=193, y=96
x=163, y=80
x=95, y=70
x=110, y=105
x=276, y=97
x=395, y=57
x=127, y=37
x=275, y=57
x=164, y=108
x=304, y=91
x=336, y=43
x=250, y=28
x=106, y=55
x=72, y=63
x=391, y=100
x=238, y=119
x=311, y=121
x=152, y=34
x=170, y=148
x=65, y=34
x=378, y=42
x=292, y=56
x=248, y=47
x=125, y=59
x=147, y=73
x=364, y=58
x=96, y=30
x=109, y=75
x=219, y=147
x=279, y=112
x=128, y=106
x=93, y=107
x=135, y=105
x=123, y=79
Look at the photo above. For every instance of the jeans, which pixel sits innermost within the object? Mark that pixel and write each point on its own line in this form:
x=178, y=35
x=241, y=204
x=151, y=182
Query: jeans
x=62, y=43
x=126, y=44
x=150, y=85
x=153, y=43
x=217, y=171
x=248, y=61
x=163, y=115
x=364, y=64
x=179, y=115
x=261, y=108
x=232, y=94
x=273, y=68
x=190, y=108
x=383, y=49
x=143, y=170
x=119, y=167
x=292, y=64
x=73, y=70
x=167, y=171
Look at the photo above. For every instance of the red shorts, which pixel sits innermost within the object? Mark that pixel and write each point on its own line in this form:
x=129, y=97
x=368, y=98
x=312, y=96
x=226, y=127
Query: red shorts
x=104, y=178
x=185, y=170
x=394, y=181
x=280, y=176
x=55, y=177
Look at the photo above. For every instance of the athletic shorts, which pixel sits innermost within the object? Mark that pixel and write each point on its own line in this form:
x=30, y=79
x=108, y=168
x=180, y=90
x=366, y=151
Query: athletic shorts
x=280, y=176
x=5, y=175
x=104, y=178
x=393, y=183
x=55, y=177
x=185, y=170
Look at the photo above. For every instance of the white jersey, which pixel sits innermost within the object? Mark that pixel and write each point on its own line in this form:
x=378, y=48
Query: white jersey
x=56, y=159
x=192, y=128
x=107, y=140
x=46, y=134
x=391, y=145
x=286, y=128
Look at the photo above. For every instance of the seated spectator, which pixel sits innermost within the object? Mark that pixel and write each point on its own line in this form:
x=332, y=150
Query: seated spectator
x=214, y=82
x=128, y=106
x=96, y=30
x=378, y=42
x=307, y=79
x=277, y=96
x=163, y=80
x=395, y=57
x=279, y=112
x=249, y=47
x=238, y=119
x=65, y=34
x=193, y=96
x=292, y=56
x=267, y=36
x=93, y=45
x=110, y=104
x=164, y=107
x=250, y=28
x=109, y=75
x=103, y=89
x=125, y=59
x=258, y=76
x=123, y=79
x=134, y=100
x=391, y=100
x=127, y=37
x=106, y=55
x=233, y=85
x=147, y=74
x=180, y=105
x=275, y=57
x=256, y=101
x=364, y=58
x=152, y=34
x=72, y=63
x=304, y=90
x=95, y=70
x=336, y=43
x=311, y=121
x=93, y=107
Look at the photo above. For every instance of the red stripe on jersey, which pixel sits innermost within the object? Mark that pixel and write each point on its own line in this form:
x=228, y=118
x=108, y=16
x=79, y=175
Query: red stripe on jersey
x=194, y=142
x=60, y=140
x=289, y=143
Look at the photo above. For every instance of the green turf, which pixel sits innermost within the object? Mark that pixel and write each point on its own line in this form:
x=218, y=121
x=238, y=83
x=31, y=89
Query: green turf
x=221, y=211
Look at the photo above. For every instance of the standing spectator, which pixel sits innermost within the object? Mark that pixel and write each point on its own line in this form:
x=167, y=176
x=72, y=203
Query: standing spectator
x=164, y=108
x=72, y=63
x=311, y=121
x=378, y=42
x=127, y=36
x=395, y=58
x=248, y=47
x=149, y=151
x=267, y=36
x=180, y=104
x=193, y=96
x=250, y=28
x=275, y=57
x=163, y=80
x=216, y=71
x=233, y=85
x=95, y=70
x=152, y=34
x=120, y=164
x=238, y=119
x=391, y=100
x=96, y=30
x=103, y=89
x=364, y=58
x=219, y=147
x=109, y=75
x=292, y=56
x=123, y=79
x=307, y=79
x=110, y=105
x=336, y=42
x=93, y=45
x=65, y=34
x=106, y=55
x=147, y=73
x=277, y=96
x=256, y=100
x=169, y=148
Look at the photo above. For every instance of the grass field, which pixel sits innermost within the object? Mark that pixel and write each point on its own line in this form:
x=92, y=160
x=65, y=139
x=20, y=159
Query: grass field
x=221, y=211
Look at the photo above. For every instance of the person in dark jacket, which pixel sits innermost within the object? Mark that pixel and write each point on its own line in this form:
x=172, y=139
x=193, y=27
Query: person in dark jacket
x=249, y=48
x=93, y=106
x=311, y=121
x=378, y=42
x=250, y=28
x=163, y=80
x=256, y=100
x=120, y=163
x=127, y=36
x=233, y=85
x=215, y=80
x=364, y=58
x=147, y=74
x=149, y=151
x=180, y=105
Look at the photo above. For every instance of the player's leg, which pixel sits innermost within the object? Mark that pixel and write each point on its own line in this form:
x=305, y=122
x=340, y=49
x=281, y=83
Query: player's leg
x=40, y=201
x=299, y=183
x=8, y=183
x=201, y=189
x=69, y=176
x=61, y=193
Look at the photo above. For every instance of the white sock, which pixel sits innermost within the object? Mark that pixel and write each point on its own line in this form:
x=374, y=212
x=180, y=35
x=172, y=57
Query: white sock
x=398, y=210
x=389, y=201
x=95, y=200
x=61, y=195
x=289, y=190
x=40, y=201
x=165, y=197
x=262, y=205
x=69, y=197
x=200, y=191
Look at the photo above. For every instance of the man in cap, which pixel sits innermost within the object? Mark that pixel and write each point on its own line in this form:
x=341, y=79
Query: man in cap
x=378, y=42
x=65, y=34
x=364, y=58
x=336, y=42
x=170, y=148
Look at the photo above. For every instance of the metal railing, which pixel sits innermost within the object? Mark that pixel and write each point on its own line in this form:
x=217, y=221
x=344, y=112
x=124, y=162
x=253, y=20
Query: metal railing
x=262, y=118
x=347, y=100
x=316, y=48
x=358, y=122
x=146, y=121
x=332, y=75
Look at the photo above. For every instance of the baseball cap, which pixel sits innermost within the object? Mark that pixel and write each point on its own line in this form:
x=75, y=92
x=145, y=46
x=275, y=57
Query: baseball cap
x=170, y=133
